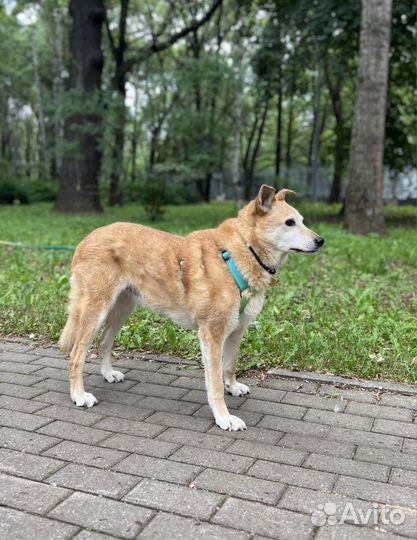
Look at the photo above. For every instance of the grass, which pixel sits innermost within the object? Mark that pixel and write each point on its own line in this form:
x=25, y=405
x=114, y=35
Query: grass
x=350, y=310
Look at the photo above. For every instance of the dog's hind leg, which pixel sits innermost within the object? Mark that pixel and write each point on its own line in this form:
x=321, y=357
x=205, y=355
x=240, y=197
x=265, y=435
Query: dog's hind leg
x=230, y=355
x=91, y=318
x=211, y=348
x=120, y=311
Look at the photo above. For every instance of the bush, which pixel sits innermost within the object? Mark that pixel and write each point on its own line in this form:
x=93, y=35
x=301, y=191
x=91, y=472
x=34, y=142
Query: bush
x=41, y=191
x=11, y=193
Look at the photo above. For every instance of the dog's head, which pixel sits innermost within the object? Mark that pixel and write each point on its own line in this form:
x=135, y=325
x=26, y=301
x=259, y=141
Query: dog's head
x=279, y=225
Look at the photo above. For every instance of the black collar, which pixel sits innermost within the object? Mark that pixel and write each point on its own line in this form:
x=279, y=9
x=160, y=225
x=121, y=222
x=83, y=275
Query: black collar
x=264, y=266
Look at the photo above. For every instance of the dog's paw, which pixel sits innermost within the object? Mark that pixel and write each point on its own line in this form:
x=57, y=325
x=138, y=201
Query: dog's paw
x=231, y=423
x=237, y=389
x=113, y=376
x=84, y=399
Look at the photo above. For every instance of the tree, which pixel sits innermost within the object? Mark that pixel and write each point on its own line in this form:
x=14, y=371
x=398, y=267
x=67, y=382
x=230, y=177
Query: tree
x=364, y=199
x=79, y=191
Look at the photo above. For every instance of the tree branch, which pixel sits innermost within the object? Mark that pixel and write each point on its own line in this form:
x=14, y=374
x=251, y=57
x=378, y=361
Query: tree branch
x=163, y=45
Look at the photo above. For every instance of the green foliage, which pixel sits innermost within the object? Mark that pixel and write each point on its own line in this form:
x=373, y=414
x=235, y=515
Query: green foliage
x=11, y=193
x=350, y=310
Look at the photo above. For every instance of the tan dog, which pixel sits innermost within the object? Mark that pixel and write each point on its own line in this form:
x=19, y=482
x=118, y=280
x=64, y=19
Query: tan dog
x=122, y=266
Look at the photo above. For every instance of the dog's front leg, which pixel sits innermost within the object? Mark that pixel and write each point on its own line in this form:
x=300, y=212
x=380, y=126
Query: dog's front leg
x=230, y=354
x=211, y=343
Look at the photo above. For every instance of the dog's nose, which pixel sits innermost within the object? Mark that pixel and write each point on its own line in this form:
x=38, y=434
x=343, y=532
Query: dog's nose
x=319, y=241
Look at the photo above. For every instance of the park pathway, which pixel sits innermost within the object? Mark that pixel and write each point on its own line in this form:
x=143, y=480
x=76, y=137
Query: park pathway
x=319, y=458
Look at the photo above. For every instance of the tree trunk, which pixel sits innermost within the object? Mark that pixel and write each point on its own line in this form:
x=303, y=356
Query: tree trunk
x=364, y=198
x=289, y=128
x=58, y=91
x=339, y=150
x=278, y=137
x=79, y=192
x=314, y=162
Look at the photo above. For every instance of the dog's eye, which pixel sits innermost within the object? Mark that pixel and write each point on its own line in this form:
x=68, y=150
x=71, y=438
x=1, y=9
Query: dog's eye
x=290, y=223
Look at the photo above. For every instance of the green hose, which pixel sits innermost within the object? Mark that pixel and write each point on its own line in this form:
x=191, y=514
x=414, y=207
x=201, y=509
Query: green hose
x=28, y=246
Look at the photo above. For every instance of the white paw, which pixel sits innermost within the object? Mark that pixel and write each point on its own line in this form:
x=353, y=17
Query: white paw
x=237, y=389
x=231, y=423
x=113, y=375
x=84, y=399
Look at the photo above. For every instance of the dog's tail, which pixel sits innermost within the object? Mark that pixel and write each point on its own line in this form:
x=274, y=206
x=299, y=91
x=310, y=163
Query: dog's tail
x=67, y=338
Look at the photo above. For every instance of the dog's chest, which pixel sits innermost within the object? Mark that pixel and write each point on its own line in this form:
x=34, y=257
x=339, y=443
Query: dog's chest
x=252, y=309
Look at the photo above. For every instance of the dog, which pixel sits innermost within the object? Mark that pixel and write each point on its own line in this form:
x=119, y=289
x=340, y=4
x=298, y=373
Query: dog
x=195, y=280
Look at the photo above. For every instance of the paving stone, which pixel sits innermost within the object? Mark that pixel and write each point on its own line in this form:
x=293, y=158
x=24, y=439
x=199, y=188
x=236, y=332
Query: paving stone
x=79, y=416
x=54, y=386
x=158, y=469
x=396, y=400
x=15, y=346
x=158, y=390
x=264, y=436
x=137, y=363
x=200, y=396
x=265, y=520
x=361, y=395
x=408, y=527
x=267, y=452
x=51, y=352
x=180, y=421
x=149, y=377
x=267, y=394
x=19, y=378
x=308, y=501
x=97, y=481
x=386, y=457
x=186, y=501
x=212, y=459
x=74, y=432
x=19, y=404
x=403, y=477
x=194, y=438
x=24, y=494
x=294, y=426
x=92, y=535
x=311, y=444
x=130, y=427
x=364, y=438
x=349, y=467
x=376, y=491
x=182, y=528
x=17, y=367
x=352, y=532
x=277, y=409
x=392, y=427
x=140, y=445
x=316, y=402
x=239, y=485
x=183, y=371
x=379, y=411
x=338, y=419
x=137, y=413
x=85, y=454
x=410, y=446
x=97, y=381
x=296, y=476
x=169, y=405
x=251, y=419
x=191, y=383
x=20, y=357
x=22, y=420
x=53, y=373
x=27, y=465
x=107, y=395
x=103, y=515
x=26, y=392
x=25, y=441
x=15, y=525
x=304, y=387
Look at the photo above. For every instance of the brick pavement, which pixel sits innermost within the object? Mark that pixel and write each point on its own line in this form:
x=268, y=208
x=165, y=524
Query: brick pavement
x=147, y=462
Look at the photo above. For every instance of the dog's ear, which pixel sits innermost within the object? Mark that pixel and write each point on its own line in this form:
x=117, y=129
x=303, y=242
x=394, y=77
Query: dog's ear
x=282, y=192
x=265, y=198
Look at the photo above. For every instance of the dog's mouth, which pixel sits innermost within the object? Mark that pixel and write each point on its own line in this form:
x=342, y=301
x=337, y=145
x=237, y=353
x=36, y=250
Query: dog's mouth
x=295, y=250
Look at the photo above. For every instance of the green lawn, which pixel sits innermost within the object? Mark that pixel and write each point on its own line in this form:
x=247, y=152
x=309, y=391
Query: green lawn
x=350, y=310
